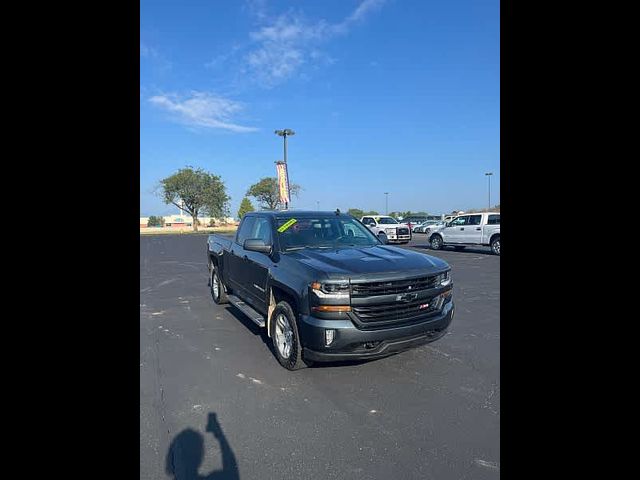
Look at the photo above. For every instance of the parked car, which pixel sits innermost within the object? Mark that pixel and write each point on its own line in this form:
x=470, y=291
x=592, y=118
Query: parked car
x=424, y=225
x=388, y=229
x=468, y=230
x=414, y=219
x=326, y=289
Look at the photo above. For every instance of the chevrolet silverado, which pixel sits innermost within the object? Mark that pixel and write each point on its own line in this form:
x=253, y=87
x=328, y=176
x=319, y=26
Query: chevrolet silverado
x=327, y=289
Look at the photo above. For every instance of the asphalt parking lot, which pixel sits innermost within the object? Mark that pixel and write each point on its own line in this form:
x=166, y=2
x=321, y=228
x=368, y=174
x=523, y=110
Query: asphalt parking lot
x=428, y=413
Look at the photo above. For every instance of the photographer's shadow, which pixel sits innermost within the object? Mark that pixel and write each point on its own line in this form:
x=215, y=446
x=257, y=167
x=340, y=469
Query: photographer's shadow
x=186, y=454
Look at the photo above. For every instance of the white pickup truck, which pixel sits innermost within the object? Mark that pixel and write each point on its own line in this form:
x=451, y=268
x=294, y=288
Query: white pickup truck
x=387, y=229
x=470, y=229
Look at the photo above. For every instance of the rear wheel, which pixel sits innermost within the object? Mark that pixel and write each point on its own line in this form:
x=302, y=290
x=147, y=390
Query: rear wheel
x=436, y=242
x=285, y=337
x=217, y=288
x=495, y=245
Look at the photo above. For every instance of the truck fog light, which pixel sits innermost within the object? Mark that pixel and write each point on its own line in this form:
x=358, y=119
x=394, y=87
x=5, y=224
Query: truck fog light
x=329, y=335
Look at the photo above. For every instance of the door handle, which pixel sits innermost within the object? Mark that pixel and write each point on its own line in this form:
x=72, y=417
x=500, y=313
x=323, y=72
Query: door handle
x=461, y=228
x=478, y=228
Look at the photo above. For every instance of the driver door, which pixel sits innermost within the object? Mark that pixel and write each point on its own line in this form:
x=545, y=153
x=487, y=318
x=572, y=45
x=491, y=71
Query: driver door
x=454, y=232
x=255, y=266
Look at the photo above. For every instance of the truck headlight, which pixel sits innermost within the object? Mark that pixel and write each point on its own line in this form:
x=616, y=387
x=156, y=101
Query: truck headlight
x=331, y=290
x=444, y=279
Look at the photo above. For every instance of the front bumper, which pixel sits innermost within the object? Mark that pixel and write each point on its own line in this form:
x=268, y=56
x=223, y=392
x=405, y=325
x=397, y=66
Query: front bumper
x=349, y=341
x=398, y=238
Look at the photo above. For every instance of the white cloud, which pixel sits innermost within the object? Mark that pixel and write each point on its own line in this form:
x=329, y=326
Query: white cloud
x=364, y=9
x=148, y=52
x=202, y=109
x=288, y=41
x=155, y=58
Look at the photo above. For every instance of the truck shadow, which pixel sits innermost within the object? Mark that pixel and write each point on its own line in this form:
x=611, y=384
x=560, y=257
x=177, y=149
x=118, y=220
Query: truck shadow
x=186, y=453
x=252, y=327
x=262, y=333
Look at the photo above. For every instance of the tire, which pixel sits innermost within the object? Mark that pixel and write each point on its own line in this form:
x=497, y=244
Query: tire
x=495, y=245
x=458, y=248
x=217, y=288
x=286, y=340
x=383, y=238
x=436, y=242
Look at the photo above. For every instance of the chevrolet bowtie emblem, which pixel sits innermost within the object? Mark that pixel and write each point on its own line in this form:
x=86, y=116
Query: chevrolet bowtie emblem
x=407, y=297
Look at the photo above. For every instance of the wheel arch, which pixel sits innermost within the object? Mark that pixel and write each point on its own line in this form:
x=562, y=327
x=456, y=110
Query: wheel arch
x=278, y=293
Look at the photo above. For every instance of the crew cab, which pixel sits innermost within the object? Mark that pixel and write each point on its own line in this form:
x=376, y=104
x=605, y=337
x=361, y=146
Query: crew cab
x=388, y=229
x=471, y=229
x=326, y=289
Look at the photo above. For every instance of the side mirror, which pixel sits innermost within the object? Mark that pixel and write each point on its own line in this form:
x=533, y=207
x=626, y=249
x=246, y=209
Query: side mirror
x=256, y=245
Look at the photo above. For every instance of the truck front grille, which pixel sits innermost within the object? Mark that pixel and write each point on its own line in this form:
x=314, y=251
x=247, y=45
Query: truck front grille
x=396, y=286
x=403, y=231
x=396, y=311
x=393, y=309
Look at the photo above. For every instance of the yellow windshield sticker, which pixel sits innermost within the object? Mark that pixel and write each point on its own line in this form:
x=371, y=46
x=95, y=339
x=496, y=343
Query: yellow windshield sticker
x=287, y=225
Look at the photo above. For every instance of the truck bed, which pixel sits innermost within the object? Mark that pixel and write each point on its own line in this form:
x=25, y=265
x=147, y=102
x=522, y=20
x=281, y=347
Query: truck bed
x=217, y=243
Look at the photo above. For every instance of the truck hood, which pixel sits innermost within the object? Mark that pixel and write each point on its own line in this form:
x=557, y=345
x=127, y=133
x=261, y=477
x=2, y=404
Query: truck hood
x=353, y=262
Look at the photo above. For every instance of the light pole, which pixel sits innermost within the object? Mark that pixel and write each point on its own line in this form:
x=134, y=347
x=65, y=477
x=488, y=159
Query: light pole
x=287, y=132
x=318, y=205
x=488, y=174
x=386, y=203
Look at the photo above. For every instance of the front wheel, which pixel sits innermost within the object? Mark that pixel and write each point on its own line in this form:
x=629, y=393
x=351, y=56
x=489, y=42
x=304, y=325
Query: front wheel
x=285, y=337
x=217, y=288
x=383, y=237
x=495, y=246
x=436, y=242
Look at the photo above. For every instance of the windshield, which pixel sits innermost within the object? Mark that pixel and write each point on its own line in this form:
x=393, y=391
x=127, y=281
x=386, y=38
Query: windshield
x=322, y=232
x=387, y=221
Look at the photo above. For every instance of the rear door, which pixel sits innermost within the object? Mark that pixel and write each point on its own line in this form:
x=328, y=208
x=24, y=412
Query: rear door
x=237, y=274
x=493, y=224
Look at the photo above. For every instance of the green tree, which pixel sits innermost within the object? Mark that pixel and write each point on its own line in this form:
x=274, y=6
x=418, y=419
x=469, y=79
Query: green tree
x=245, y=207
x=356, y=212
x=155, y=221
x=371, y=212
x=266, y=192
x=198, y=191
x=212, y=223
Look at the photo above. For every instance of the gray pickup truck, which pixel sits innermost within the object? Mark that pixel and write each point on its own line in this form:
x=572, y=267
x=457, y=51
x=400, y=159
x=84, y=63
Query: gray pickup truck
x=326, y=289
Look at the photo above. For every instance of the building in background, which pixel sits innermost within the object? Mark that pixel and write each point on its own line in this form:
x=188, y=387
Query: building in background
x=181, y=221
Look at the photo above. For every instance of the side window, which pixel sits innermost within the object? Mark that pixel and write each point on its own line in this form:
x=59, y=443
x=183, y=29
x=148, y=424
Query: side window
x=459, y=221
x=368, y=221
x=262, y=230
x=493, y=220
x=244, y=231
x=474, y=220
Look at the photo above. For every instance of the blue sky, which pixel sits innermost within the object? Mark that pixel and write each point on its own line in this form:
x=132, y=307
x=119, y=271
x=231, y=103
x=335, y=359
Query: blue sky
x=399, y=96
